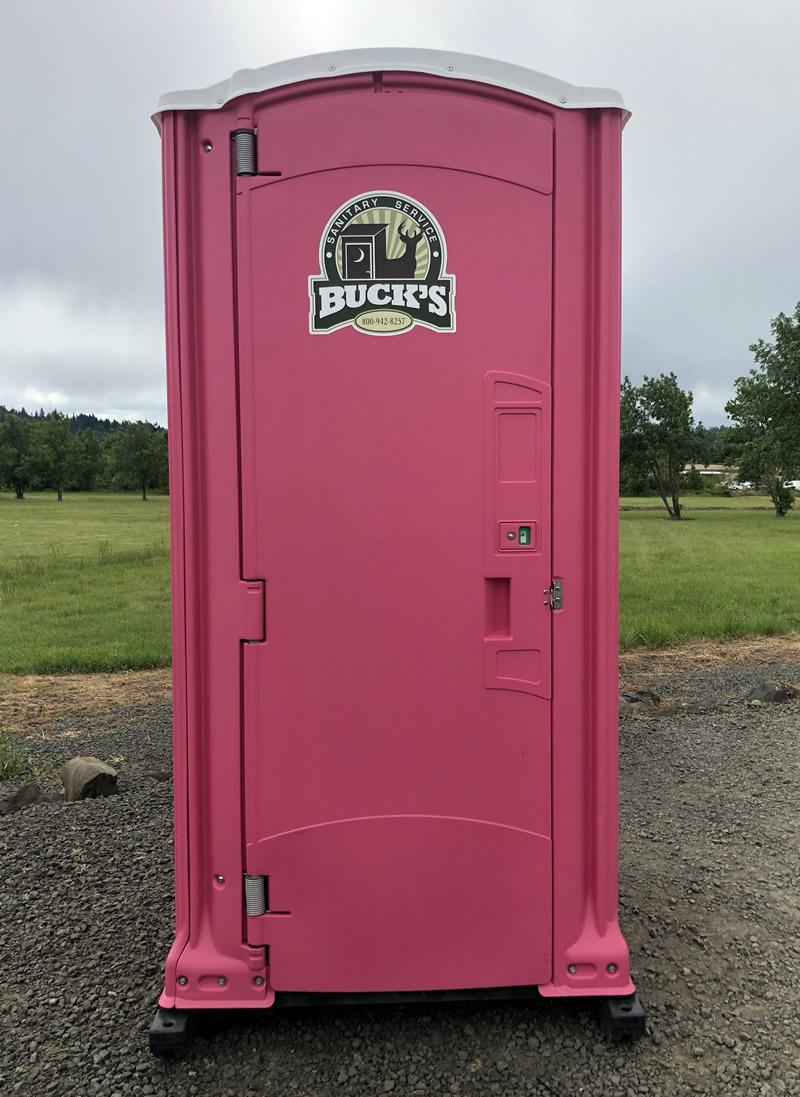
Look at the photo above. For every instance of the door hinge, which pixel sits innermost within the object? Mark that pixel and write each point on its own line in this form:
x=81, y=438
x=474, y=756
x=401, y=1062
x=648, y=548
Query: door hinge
x=253, y=623
x=556, y=594
x=244, y=144
x=255, y=896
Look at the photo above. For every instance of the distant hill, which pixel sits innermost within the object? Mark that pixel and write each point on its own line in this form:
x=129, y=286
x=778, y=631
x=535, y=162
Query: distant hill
x=100, y=428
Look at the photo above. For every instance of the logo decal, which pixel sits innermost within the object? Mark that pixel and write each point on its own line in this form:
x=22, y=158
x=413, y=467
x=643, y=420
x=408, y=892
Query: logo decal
x=382, y=262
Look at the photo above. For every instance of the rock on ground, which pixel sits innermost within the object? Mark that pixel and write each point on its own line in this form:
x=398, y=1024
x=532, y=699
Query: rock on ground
x=709, y=903
x=86, y=778
x=24, y=797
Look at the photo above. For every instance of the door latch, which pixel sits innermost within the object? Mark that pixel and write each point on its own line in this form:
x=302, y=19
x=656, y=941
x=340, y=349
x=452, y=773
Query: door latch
x=556, y=596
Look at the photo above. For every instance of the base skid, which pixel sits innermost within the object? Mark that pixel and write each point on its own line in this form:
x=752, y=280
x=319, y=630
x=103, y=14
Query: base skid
x=622, y=1017
x=171, y=1033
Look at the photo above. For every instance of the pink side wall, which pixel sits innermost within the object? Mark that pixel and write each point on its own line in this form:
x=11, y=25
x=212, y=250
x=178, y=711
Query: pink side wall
x=586, y=372
x=208, y=595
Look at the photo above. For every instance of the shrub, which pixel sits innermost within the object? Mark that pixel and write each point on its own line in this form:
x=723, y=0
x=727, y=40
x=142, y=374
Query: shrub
x=12, y=760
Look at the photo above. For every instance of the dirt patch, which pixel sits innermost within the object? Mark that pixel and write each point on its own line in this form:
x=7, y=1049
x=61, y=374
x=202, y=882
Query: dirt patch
x=711, y=653
x=33, y=700
x=30, y=701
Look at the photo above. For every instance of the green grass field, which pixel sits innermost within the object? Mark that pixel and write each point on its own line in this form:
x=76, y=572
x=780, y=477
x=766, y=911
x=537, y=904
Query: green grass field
x=704, y=502
x=718, y=573
x=84, y=584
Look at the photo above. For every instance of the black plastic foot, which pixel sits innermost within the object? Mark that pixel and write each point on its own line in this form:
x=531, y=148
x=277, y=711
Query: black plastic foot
x=622, y=1017
x=171, y=1033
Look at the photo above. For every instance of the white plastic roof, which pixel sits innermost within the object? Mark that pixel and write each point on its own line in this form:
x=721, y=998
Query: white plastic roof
x=456, y=66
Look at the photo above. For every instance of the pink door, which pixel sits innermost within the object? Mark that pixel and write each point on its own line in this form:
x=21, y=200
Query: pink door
x=395, y=447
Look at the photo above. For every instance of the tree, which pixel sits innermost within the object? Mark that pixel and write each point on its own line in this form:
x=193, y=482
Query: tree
x=658, y=434
x=54, y=452
x=138, y=456
x=15, y=462
x=88, y=459
x=693, y=480
x=766, y=413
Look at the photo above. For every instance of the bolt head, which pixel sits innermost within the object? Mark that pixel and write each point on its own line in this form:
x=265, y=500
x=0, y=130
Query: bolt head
x=207, y=146
x=259, y=980
x=510, y=535
x=611, y=969
x=331, y=68
x=563, y=99
x=182, y=980
x=222, y=980
x=220, y=879
x=572, y=969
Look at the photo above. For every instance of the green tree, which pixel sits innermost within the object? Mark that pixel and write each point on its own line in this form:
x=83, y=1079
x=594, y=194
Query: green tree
x=766, y=414
x=88, y=460
x=137, y=456
x=693, y=480
x=54, y=452
x=658, y=434
x=15, y=458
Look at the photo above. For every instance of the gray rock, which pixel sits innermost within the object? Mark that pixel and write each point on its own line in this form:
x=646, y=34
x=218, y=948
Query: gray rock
x=24, y=797
x=768, y=692
x=86, y=778
x=643, y=696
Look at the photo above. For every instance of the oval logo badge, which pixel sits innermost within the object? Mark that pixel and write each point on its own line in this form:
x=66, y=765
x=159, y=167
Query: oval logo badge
x=382, y=269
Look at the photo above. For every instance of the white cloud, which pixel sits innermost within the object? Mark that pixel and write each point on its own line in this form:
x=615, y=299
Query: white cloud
x=60, y=348
x=39, y=321
x=709, y=402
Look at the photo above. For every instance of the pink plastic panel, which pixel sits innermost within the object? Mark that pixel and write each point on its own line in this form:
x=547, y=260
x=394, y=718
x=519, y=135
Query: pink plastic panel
x=365, y=463
x=405, y=127
x=518, y=439
x=586, y=347
x=404, y=902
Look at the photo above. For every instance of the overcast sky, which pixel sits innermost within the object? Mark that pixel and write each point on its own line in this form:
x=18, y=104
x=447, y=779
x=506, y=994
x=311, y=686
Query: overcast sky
x=711, y=164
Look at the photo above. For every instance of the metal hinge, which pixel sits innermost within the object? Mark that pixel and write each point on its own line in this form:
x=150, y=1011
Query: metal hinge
x=256, y=899
x=556, y=595
x=244, y=144
x=255, y=896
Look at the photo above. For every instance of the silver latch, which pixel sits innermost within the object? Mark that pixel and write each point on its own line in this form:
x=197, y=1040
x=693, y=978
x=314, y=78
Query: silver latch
x=556, y=595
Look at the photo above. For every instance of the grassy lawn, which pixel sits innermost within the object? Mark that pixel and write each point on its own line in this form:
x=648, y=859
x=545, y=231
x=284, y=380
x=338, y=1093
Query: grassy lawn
x=84, y=584
x=719, y=573
x=741, y=501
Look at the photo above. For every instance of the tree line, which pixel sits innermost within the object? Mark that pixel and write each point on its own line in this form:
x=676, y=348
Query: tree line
x=659, y=437
x=53, y=452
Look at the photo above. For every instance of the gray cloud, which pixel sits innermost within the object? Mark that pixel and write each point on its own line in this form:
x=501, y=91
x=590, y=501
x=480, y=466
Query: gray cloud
x=711, y=232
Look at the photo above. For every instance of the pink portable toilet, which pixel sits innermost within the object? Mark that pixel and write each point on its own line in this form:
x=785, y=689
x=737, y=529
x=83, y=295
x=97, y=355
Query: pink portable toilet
x=393, y=317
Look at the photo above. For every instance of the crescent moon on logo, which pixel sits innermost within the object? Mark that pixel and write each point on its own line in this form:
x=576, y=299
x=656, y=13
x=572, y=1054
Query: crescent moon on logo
x=360, y=256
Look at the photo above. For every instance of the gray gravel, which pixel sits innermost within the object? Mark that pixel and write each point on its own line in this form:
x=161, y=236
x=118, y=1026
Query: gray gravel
x=710, y=905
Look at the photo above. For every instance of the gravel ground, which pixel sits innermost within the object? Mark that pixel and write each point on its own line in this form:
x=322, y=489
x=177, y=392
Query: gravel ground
x=710, y=904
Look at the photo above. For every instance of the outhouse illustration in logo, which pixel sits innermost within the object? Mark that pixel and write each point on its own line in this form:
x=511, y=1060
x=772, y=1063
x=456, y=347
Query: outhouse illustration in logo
x=382, y=263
